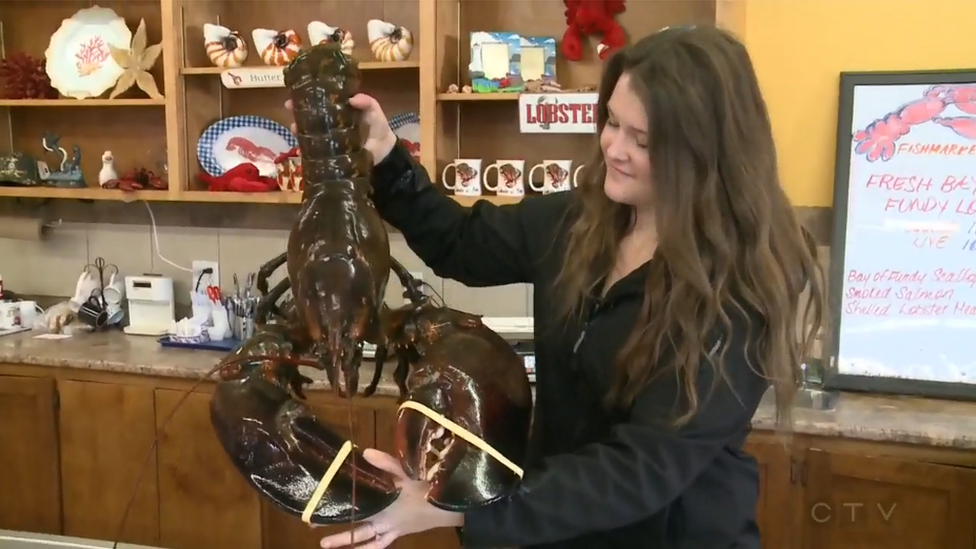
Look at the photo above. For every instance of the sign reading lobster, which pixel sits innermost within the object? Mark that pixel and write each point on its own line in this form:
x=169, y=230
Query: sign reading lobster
x=466, y=405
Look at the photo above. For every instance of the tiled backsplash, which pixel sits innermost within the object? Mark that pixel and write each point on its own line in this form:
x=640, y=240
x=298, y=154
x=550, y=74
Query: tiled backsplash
x=51, y=267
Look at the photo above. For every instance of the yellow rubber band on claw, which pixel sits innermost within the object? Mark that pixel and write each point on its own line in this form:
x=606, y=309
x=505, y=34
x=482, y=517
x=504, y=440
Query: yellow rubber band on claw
x=326, y=480
x=463, y=433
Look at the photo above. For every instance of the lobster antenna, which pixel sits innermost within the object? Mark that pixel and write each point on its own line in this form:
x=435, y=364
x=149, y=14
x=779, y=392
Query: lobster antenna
x=440, y=300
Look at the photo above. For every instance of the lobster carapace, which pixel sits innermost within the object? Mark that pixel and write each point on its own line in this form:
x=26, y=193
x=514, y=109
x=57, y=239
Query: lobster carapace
x=338, y=251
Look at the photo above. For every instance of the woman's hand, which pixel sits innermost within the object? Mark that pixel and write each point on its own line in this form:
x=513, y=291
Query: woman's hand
x=381, y=138
x=409, y=514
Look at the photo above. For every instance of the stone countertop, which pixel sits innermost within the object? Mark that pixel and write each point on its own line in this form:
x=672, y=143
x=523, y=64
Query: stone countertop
x=864, y=417
x=114, y=351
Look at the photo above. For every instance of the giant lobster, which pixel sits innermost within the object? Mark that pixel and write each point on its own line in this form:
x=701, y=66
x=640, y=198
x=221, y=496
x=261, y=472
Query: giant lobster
x=465, y=397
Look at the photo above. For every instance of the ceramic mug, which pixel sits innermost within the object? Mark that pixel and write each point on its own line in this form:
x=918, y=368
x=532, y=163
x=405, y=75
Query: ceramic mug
x=86, y=285
x=511, y=178
x=9, y=315
x=92, y=313
x=114, y=291
x=28, y=313
x=467, y=177
x=557, y=176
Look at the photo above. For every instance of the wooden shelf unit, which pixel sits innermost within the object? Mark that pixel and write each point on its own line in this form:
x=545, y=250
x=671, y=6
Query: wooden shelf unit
x=149, y=133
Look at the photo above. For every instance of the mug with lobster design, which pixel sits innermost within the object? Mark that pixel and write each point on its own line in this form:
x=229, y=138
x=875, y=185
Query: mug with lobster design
x=510, y=180
x=467, y=177
x=557, y=176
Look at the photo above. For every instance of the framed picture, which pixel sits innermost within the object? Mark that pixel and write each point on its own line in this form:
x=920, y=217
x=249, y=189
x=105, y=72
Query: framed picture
x=903, y=254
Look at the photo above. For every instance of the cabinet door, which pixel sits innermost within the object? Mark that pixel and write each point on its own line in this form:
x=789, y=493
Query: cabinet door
x=107, y=461
x=30, y=497
x=777, y=508
x=865, y=502
x=441, y=538
x=282, y=530
x=204, y=503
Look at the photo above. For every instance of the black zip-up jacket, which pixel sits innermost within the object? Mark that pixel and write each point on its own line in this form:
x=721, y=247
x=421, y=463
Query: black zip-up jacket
x=593, y=479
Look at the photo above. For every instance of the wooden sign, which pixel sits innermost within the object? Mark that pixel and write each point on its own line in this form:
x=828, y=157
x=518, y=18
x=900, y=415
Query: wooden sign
x=557, y=112
x=253, y=77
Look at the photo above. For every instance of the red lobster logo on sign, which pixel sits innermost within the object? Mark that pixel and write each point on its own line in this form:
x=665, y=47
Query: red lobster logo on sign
x=878, y=140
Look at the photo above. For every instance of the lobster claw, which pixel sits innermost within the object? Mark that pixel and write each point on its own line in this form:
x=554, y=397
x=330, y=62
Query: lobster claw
x=284, y=452
x=461, y=475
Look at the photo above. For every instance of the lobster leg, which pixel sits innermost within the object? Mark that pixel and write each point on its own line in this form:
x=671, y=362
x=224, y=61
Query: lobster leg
x=412, y=288
x=266, y=270
x=401, y=372
x=268, y=303
x=381, y=352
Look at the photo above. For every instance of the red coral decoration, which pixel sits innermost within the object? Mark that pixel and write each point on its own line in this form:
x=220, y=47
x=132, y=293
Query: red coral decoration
x=24, y=78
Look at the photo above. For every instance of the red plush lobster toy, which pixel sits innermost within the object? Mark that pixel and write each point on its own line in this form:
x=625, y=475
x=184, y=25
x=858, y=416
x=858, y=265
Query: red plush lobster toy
x=588, y=17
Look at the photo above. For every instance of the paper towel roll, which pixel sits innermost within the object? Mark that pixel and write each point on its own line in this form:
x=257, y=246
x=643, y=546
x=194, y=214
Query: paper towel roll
x=23, y=228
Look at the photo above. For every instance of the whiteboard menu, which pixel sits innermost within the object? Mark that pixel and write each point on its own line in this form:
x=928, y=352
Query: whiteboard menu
x=903, y=270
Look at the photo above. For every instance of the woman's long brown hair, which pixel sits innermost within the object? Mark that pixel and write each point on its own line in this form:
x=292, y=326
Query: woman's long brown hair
x=729, y=240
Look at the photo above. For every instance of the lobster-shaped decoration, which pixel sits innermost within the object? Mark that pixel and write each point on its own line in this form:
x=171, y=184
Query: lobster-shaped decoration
x=466, y=406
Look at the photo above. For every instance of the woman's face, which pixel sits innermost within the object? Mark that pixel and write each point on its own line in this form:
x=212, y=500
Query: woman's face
x=624, y=144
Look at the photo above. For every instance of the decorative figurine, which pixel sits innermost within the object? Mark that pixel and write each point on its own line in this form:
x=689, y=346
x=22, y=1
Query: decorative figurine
x=388, y=41
x=107, y=173
x=136, y=63
x=593, y=17
x=277, y=48
x=321, y=33
x=68, y=173
x=22, y=170
x=225, y=48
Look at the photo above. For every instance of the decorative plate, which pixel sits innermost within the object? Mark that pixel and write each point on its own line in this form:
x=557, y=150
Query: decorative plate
x=243, y=139
x=79, y=62
x=407, y=127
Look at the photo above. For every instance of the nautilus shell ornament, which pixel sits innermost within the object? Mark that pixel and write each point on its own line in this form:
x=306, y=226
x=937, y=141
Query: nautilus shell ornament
x=225, y=48
x=277, y=48
x=388, y=41
x=321, y=33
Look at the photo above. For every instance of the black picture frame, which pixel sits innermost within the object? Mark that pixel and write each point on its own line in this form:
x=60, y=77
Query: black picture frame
x=833, y=379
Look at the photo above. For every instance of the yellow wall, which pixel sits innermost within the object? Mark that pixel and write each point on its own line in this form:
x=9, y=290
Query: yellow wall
x=800, y=46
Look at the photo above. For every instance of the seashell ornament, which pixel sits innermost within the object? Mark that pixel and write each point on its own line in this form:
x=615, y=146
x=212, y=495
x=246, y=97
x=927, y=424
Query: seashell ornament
x=225, y=48
x=277, y=48
x=321, y=33
x=388, y=41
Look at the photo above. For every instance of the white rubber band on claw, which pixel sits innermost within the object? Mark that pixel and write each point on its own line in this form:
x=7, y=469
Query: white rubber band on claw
x=325, y=481
x=462, y=433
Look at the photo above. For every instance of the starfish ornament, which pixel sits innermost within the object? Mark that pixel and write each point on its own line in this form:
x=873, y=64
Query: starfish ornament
x=136, y=62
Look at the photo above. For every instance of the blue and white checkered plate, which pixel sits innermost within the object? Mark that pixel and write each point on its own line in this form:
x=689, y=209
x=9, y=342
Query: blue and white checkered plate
x=243, y=139
x=406, y=126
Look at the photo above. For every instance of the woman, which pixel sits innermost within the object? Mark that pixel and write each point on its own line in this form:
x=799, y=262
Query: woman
x=667, y=293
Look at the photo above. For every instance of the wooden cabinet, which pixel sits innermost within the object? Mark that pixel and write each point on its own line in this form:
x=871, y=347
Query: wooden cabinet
x=73, y=451
x=30, y=497
x=774, y=510
x=204, y=503
x=861, y=502
x=108, y=469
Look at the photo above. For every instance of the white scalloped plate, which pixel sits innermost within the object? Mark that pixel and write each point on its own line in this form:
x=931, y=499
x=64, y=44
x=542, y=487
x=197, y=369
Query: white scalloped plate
x=79, y=62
